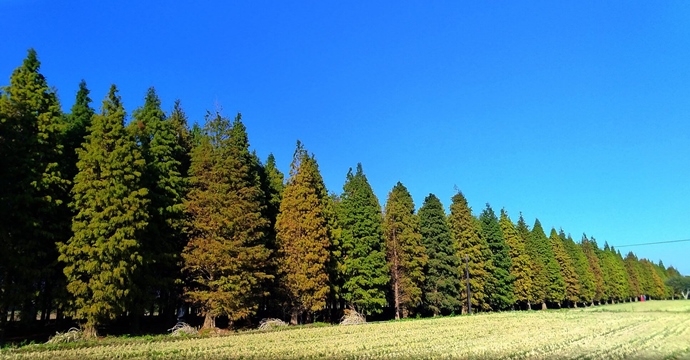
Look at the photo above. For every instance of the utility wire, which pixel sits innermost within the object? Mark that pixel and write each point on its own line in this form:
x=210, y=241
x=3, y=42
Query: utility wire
x=653, y=243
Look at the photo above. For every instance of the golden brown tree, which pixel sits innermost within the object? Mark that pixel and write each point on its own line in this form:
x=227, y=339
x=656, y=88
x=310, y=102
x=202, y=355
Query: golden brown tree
x=226, y=257
x=302, y=238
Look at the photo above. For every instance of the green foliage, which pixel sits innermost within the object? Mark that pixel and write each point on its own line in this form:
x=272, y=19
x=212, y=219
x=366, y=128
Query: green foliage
x=365, y=273
x=103, y=256
x=163, y=241
x=442, y=284
x=584, y=274
x=520, y=264
x=501, y=295
x=590, y=249
x=555, y=285
x=33, y=191
x=302, y=236
x=466, y=231
x=566, y=266
x=225, y=257
x=679, y=284
x=404, y=250
x=78, y=123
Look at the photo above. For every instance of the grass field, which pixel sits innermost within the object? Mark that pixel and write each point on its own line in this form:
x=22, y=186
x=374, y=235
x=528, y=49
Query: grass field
x=649, y=330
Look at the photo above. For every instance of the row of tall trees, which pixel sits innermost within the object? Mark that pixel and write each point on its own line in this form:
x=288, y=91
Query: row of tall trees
x=105, y=218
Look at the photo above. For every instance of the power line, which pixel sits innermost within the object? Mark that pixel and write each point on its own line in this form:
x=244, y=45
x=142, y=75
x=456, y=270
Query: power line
x=653, y=243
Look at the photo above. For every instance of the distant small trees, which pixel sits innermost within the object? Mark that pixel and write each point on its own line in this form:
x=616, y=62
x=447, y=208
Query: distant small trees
x=680, y=284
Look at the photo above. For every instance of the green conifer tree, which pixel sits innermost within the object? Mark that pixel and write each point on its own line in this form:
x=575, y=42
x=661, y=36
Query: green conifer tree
x=501, y=296
x=405, y=252
x=584, y=273
x=442, y=284
x=566, y=267
x=590, y=249
x=78, y=122
x=520, y=264
x=539, y=281
x=302, y=237
x=466, y=231
x=103, y=256
x=167, y=185
x=555, y=285
x=631, y=267
x=33, y=192
x=363, y=250
x=226, y=256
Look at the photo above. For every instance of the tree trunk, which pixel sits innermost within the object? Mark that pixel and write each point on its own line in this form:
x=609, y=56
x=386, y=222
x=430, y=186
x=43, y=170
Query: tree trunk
x=543, y=305
x=209, y=321
x=90, y=331
x=396, y=277
x=575, y=304
x=529, y=305
x=3, y=323
x=294, y=316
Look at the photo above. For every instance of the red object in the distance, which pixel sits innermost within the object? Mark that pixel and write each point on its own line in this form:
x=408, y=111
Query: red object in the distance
x=641, y=297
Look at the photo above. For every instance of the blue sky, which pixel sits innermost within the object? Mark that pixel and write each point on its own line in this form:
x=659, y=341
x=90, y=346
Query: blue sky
x=573, y=112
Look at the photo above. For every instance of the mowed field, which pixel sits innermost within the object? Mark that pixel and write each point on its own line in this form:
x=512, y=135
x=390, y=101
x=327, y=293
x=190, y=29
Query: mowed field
x=649, y=330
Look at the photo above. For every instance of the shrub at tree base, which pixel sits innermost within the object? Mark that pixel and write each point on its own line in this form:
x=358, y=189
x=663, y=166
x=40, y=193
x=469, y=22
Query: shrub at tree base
x=71, y=335
x=352, y=317
x=270, y=324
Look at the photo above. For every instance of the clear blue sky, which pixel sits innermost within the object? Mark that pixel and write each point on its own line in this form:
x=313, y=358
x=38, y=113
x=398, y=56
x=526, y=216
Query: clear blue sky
x=577, y=113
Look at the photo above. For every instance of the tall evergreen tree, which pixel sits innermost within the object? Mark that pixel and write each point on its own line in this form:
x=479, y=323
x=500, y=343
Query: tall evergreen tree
x=590, y=249
x=363, y=248
x=566, y=267
x=631, y=267
x=520, y=264
x=303, y=238
x=163, y=177
x=442, y=283
x=103, y=256
x=78, y=123
x=33, y=191
x=405, y=252
x=472, y=247
x=226, y=254
x=539, y=282
x=555, y=285
x=501, y=295
x=584, y=273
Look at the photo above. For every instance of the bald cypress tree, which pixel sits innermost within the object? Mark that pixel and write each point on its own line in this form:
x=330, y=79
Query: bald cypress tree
x=365, y=273
x=501, y=295
x=103, y=257
x=404, y=250
x=302, y=237
x=520, y=265
x=566, y=267
x=590, y=249
x=33, y=191
x=584, y=273
x=466, y=231
x=631, y=267
x=555, y=285
x=226, y=256
x=442, y=283
x=539, y=281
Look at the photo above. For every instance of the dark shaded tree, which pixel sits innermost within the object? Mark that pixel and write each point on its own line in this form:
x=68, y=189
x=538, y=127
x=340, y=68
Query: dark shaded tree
x=442, y=283
x=501, y=295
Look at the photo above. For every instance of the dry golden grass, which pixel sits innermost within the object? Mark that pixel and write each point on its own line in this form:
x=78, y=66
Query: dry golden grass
x=650, y=330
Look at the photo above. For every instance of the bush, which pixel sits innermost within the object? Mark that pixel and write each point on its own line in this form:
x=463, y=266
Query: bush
x=70, y=336
x=270, y=324
x=182, y=328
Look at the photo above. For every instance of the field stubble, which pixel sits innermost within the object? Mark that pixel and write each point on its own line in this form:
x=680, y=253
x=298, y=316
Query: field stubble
x=650, y=330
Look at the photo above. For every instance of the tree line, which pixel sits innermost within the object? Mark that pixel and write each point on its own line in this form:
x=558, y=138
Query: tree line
x=106, y=217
